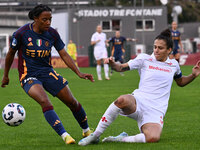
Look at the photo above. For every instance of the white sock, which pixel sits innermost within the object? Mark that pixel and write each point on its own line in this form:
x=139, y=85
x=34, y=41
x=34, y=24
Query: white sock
x=64, y=135
x=139, y=138
x=98, y=71
x=109, y=116
x=85, y=130
x=106, y=70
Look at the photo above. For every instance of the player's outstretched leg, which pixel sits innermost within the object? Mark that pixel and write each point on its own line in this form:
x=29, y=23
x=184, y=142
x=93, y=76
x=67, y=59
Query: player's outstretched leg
x=123, y=137
x=118, y=138
x=91, y=139
x=109, y=116
x=54, y=121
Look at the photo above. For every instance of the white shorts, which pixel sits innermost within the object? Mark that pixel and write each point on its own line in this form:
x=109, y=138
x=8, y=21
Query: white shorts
x=100, y=53
x=145, y=114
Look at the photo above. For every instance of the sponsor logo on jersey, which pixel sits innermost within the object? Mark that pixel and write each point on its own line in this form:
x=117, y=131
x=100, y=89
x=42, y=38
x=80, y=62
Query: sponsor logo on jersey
x=30, y=44
x=160, y=69
x=39, y=42
x=14, y=42
x=169, y=63
x=38, y=53
x=150, y=59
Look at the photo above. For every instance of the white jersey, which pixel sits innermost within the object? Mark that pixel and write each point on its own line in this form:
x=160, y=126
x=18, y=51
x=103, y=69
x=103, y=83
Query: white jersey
x=101, y=44
x=155, y=80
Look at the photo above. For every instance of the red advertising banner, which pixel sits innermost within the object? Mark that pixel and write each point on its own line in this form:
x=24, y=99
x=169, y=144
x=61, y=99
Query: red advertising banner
x=83, y=61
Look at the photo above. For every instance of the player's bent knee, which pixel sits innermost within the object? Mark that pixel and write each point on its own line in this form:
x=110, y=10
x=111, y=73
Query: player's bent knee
x=44, y=102
x=121, y=102
x=152, y=138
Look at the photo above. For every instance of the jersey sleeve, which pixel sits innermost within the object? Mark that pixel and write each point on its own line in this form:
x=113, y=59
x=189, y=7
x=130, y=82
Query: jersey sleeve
x=136, y=63
x=123, y=39
x=111, y=40
x=105, y=37
x=178, y=73
x=59, y=45
x=93, y=38
x=15, y=41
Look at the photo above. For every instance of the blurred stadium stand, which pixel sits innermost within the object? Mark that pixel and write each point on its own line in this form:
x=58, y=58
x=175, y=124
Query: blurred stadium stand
x=13, y=13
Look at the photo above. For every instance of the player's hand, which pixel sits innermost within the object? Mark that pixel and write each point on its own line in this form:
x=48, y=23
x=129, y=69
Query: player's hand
x=109, y=60
x=86, y=76
x=98, y=41
x=196, y=69
x=5, y=81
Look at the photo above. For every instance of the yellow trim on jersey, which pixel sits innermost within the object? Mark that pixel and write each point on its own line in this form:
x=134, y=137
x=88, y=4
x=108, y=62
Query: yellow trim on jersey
x=25, y=71
x=30, y=26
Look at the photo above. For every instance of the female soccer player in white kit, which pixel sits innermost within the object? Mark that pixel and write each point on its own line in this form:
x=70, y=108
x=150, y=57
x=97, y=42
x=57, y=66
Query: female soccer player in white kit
x=100, y=52
x=147, y=104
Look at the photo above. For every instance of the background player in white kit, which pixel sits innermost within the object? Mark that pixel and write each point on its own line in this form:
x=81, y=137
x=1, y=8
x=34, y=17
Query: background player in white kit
x=147, y=104
x=100, y=52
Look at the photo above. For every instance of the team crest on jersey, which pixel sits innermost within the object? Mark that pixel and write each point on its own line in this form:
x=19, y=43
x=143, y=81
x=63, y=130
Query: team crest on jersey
x=47, y=44
x=169, y=63
x=39, y=42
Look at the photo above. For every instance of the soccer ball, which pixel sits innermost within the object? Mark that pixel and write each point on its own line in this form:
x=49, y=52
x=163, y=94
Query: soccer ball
x=13, y=114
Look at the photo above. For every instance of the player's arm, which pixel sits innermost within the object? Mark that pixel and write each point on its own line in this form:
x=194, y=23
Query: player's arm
x=70, y=63
x=129, y=39
x=95, y=42
x=8, y=62
x=117, y=66
x=113, y=50
x=184, y=80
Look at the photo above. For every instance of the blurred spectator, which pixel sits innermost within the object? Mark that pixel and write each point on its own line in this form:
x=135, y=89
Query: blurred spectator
x=71, y=49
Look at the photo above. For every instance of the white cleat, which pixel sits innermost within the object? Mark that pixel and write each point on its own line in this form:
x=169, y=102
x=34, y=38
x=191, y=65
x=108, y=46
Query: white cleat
x=122, y=74
x=107, y=78
x=118, y=138
x=99, y=78
x=91, y=139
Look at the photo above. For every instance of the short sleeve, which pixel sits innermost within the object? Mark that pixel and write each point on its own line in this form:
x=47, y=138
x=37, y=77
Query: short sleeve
x=111, y=40
x=123, y=38
x=105, y=36
x=59, y=45
x=136, y=63
x=93, y=38
x=178, y=73
x=15, y=41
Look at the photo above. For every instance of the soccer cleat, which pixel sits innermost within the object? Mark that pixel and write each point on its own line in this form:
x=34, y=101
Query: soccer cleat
x=118, y=138
x=107, y=78
x=91, y=139
x=69, y=140
x=122, y=74
x=99, y=78
x=87, y=133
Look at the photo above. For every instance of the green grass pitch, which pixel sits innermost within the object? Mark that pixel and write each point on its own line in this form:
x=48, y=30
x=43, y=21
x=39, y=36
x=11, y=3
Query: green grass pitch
x=181, y=123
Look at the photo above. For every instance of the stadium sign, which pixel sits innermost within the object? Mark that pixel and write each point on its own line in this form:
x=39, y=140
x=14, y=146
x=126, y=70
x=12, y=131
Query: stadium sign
x=120, y=12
